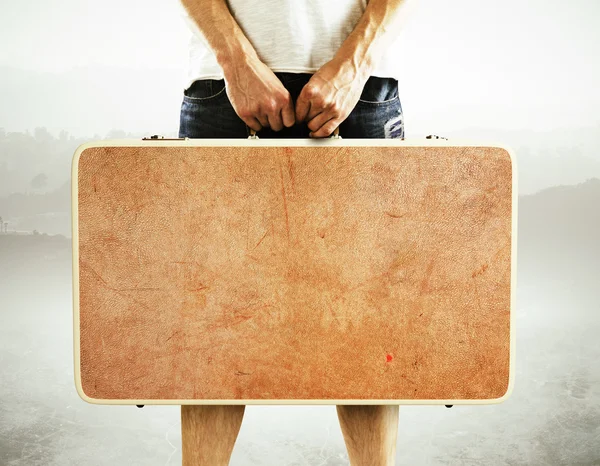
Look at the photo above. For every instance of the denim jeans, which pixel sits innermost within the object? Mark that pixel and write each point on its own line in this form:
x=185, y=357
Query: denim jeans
x=207, y=113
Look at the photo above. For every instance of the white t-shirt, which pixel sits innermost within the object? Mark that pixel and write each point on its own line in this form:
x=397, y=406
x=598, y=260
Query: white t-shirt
x=297, y=36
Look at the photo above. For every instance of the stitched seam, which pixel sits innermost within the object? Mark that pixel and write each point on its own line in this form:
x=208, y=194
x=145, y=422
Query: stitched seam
x=380, y=102
x=206, y=98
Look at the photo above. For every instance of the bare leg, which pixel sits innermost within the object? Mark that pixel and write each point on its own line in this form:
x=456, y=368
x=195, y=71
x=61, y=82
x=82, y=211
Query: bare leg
x=370, y=433
x=208, y=433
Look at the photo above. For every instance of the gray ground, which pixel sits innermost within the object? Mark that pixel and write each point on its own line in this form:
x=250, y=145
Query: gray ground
x=552, y=417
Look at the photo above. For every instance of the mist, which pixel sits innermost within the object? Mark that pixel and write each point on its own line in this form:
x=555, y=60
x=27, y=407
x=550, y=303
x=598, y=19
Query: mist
x=520, y=74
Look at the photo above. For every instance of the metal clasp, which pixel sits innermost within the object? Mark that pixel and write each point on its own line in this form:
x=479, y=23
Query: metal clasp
x=336, y=134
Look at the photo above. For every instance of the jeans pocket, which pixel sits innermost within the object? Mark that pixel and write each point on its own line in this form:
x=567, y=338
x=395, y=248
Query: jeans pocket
x=204, y=90
x=375, y=120
x=379, y=91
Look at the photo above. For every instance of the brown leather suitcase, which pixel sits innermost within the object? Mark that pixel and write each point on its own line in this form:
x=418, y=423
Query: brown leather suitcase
x=294, y=271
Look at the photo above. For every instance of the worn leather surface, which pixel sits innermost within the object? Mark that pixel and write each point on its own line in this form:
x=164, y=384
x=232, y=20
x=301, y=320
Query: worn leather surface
x=294, y=272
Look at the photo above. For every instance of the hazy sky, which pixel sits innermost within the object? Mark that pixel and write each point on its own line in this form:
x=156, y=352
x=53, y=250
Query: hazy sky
x=532, y=64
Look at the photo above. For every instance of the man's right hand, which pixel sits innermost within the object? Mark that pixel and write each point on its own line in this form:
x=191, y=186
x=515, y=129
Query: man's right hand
x=258, y=96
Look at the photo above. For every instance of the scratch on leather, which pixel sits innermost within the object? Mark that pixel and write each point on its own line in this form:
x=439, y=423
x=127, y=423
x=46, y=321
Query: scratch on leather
x=173, y=334
x=119, y=291
x=425, y=281
x=202, y=287
x=112, y=287
x=395, y=215
x=264, y=236
x=479, y=271
x=291, y=172
x=287, y=221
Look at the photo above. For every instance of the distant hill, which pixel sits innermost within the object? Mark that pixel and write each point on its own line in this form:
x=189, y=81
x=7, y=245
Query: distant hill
x=559, y=238
x=563, y=215
x=47, y=213
x=23, y=205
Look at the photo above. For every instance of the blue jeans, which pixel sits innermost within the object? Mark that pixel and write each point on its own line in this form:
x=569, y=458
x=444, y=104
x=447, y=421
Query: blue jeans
x=207, y=113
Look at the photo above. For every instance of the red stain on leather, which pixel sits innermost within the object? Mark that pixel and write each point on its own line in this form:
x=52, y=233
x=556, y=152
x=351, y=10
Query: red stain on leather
x=389, y=358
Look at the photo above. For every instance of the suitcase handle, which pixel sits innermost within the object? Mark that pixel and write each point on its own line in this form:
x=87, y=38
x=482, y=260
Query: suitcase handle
x=335, y=135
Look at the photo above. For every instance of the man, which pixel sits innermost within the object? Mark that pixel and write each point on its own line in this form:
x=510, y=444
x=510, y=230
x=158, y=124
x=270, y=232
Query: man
x=292, y=68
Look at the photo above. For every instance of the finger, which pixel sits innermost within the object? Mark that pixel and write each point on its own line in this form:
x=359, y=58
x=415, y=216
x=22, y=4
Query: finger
x=326, y=130
x=263, y=120
x=317, y=108
x=302, y=107
x=315, y=123
x=275, y=120
x=287, y=114
x=252, y=123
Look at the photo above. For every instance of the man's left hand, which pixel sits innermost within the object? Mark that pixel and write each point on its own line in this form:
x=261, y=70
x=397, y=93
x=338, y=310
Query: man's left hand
x=329, y=97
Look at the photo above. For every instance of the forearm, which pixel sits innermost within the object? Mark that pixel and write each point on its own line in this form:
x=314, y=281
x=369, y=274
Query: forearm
x=222, y=33
x=376, y=29
x=254, y=91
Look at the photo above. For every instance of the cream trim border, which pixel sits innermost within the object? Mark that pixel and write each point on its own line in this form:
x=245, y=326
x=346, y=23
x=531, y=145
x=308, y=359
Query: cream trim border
x=288, y=143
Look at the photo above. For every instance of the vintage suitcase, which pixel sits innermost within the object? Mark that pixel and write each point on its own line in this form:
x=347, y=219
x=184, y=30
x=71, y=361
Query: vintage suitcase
x=294, y=271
